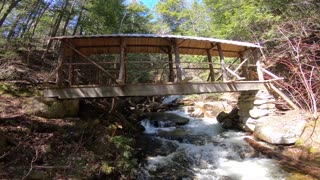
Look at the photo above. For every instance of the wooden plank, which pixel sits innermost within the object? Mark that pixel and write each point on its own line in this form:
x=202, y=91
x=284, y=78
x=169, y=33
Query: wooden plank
x=211, y=73
x=86, y=63
x=223, y=66
x=151, y=90
x=154, y=46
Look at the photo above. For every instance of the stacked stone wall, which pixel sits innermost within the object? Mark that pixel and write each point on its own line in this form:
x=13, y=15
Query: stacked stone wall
x=253, y=105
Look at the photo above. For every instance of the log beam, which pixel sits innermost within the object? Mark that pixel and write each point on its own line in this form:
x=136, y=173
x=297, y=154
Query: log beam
x=177, y=60
x=285, y=160
x=70, y=76
x=171, y=73
x=123, y=59
x=223, y=64
x=211, y=73
x=244, y=69
x=220, y=76
x=59, y=74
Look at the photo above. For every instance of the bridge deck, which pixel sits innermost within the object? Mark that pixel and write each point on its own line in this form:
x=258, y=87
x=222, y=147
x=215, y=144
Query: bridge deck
x=152, y=89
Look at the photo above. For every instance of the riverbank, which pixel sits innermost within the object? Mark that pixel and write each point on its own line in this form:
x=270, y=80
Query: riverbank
x=97, y=143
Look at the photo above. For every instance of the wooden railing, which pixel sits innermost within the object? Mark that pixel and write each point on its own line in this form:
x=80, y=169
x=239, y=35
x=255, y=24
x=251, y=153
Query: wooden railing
x=81, y=72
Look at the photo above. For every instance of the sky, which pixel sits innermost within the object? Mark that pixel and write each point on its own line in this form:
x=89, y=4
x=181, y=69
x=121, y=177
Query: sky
x=149, y=3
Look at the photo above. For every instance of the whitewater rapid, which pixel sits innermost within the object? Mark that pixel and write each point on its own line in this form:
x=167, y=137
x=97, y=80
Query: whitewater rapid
x=207, y=151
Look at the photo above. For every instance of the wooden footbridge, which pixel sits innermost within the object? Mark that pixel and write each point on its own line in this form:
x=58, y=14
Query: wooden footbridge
x=143, y=65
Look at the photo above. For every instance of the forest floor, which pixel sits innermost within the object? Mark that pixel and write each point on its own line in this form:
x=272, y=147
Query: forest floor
x=94, y=145
x=33, y=147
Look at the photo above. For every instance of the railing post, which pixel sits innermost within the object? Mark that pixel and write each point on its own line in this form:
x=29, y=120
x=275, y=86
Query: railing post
x=177, y=60
x=211, y=74
x=244, y=68
x=171, y=74
x=258, y=64
x=223, y=64
x=70, y=76
x=259, y=71
x=122, y=72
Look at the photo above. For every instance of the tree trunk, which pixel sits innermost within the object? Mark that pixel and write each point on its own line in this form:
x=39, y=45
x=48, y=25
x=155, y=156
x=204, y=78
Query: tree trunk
x=10, y=8
x=56, y=27
x=78, y=22
x=25, y=26
x=68, y=19
x=14, y=26
x=38, y=19
x=2, y=5
x=32, y=17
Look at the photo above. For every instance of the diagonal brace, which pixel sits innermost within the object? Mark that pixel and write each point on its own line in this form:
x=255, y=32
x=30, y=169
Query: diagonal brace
x=91, y=61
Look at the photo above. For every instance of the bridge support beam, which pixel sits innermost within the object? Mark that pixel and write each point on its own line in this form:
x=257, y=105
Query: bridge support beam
x=177, y=60
x=223, y=64
x=151, y=90
x=258, y=64
x=123, y=64
x=244, y=68
x=211, y=73
x=171, y=73
x=59, y=75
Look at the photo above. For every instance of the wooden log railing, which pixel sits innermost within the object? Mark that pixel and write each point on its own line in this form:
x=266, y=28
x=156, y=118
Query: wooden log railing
x=221, y=70
x=81, y=69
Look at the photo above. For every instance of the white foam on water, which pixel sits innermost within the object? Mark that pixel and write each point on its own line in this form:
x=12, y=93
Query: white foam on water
x=219, y=158
x=251, y=169
x=149, y=128
x=157, y=162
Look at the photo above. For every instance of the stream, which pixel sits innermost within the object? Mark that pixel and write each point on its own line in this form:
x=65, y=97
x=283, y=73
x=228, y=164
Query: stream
x=201, y=149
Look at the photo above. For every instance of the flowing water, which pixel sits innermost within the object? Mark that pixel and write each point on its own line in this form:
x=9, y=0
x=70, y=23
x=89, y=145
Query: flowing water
x=202, y=149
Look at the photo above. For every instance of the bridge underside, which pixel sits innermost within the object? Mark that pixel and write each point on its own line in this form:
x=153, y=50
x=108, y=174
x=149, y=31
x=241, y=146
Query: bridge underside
x=151, y=90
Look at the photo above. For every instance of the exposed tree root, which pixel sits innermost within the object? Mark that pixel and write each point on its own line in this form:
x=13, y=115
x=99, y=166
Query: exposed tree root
x=285, y=160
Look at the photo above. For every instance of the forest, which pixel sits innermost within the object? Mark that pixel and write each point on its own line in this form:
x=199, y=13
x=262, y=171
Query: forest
x=102, y=144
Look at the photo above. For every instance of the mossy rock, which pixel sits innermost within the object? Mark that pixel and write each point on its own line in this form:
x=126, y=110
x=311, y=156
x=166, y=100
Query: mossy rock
x=313, y=150
x=51, y=108
x=170, y=119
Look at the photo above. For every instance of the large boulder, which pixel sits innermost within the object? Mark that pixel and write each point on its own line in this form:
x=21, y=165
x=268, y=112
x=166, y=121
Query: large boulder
x=248, y=124
x=280, y=129
x=257, y=113
x=229, y=120
x=166, y=119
